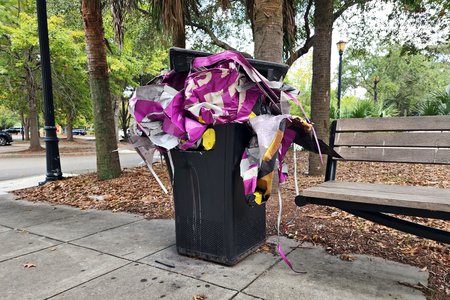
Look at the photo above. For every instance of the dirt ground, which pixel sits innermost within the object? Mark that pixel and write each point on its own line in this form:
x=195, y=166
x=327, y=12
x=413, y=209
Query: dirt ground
x=340, y=233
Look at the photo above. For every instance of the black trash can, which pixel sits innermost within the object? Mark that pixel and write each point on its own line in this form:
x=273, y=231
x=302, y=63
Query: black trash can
x=212, y=218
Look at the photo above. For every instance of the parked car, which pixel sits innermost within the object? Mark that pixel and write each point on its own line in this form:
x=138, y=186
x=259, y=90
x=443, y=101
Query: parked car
x=79, y=131
x=14, y=130
x=5, y=138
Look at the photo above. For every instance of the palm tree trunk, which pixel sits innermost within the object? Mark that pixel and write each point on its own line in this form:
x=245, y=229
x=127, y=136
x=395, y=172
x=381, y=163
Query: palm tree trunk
x=268, y=30
x=179, y=37
x=108, y=164
x=320, y=89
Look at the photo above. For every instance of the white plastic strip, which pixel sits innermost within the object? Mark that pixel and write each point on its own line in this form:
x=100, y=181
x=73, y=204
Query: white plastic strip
x=157, y=178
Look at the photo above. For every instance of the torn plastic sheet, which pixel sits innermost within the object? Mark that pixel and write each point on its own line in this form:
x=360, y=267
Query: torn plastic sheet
x=206, y=113
x=177, y=110
x=194, y=131
x=146, y=150
x=162, y=139
x=149, y=102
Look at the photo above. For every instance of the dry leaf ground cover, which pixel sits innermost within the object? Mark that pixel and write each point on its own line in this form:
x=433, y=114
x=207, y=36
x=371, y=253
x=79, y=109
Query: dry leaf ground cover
x=342, y=234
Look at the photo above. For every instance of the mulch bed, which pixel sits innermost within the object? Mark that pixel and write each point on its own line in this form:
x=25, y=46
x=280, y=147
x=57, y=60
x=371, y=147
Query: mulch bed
x=340, y=233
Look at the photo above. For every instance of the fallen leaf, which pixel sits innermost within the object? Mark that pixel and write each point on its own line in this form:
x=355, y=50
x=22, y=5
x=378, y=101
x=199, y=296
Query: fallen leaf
x=29, y=265
x=199, y=297
x=318, y=217
x=347, y=257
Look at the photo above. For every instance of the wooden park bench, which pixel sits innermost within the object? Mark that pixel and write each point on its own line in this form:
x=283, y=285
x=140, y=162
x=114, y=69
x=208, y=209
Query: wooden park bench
x=423, y=140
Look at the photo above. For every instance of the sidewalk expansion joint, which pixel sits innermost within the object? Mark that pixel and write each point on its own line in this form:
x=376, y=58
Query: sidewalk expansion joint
x=250, y=295
x=87, y=281
x=189, y=276
x=31, y=252
x=100, y=231
x=265, y=271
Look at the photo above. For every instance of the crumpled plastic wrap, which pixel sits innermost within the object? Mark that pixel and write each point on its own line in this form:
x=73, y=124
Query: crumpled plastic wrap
x=177, y=110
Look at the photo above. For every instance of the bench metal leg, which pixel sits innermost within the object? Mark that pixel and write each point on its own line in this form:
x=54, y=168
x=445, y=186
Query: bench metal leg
x=374, y=213
x=405, y=226
x=347, y=205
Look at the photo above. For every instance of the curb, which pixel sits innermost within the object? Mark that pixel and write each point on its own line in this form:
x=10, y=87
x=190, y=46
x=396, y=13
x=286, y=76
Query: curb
x=13, y=155
x=20, y=155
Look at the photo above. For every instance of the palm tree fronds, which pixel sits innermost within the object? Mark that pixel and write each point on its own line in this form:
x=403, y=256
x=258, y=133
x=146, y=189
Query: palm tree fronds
x=118, y=10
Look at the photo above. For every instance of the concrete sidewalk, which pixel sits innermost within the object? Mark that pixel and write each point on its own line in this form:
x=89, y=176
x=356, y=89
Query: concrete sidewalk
x=88, y=254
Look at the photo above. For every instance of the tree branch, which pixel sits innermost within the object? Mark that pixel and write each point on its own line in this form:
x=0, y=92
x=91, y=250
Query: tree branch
x=142, y=11
x=306, y=18
x=310, y=39
x=215, y=40
x=346, y=6
x=301, y=51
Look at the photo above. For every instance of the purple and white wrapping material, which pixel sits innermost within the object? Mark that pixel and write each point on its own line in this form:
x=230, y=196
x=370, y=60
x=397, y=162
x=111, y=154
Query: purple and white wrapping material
x=249, y=166
x=221, y=88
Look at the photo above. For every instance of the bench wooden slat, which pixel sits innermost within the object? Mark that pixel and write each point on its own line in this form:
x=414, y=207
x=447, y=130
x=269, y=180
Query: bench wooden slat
x=412, y=155
x=393, y=139
x=400, y=196
x=401, y=189
x=395, y=124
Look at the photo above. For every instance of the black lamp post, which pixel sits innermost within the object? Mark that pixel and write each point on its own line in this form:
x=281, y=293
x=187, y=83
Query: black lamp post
x=341, y=47
x=51, y=140
x=376, y=79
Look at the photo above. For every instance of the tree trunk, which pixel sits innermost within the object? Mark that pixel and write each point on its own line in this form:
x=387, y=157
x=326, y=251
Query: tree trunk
x=108, y=163
x=268, y=30
x=26, y=128
x=116, y=104
x=124, y=118
x=35, y=144
x=69, y=127
x=22, y=125
x=179, y=37
x=320, y=89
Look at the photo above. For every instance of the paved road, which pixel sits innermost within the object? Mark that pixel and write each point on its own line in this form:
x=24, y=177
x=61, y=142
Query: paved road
x=19, y=167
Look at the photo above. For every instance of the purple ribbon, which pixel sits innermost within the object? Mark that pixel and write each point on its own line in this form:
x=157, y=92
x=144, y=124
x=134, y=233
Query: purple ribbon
x=286, y=260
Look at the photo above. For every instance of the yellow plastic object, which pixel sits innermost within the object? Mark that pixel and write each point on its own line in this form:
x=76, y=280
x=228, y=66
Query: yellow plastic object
x=251, y=115
x=209, y=139
x=258, y=197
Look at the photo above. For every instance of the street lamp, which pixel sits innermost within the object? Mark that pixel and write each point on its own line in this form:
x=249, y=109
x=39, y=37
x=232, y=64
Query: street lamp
x=51, y=140
x=376, y=79
x=341, y=47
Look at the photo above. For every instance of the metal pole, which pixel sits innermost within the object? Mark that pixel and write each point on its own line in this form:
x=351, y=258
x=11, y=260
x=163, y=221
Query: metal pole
x=51, y=140
x=375, y=82
x=339, y=85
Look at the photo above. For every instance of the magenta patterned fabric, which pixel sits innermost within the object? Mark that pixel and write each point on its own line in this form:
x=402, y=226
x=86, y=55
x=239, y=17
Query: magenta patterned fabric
x=220, y=89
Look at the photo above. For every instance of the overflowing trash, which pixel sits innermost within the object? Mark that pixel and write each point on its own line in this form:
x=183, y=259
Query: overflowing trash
x=179, y=110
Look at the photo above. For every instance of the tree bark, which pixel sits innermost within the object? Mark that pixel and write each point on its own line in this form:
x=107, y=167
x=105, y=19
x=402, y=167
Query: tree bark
x=320, y=89
x=35, y=144
x=26, y=128
x=69, y=127
x=124, y=118
x=116, y=105
x=22, y=125
x=268, y=30
x=179, y=37
x=108, y=164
